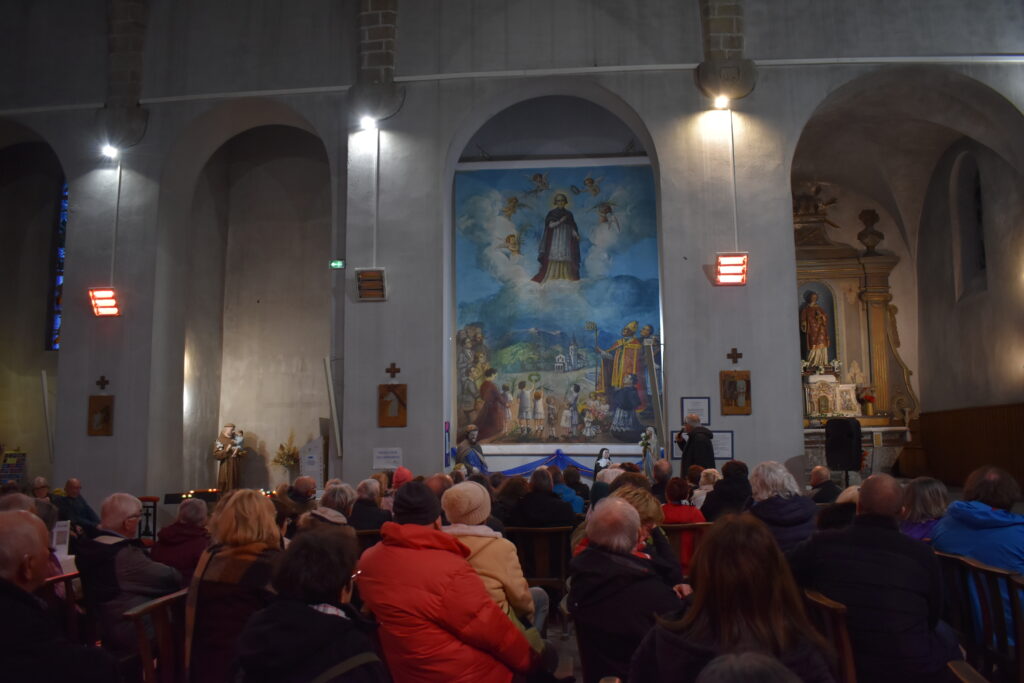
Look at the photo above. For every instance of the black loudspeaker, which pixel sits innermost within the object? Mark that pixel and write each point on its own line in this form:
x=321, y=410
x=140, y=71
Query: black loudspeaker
x=842, y=444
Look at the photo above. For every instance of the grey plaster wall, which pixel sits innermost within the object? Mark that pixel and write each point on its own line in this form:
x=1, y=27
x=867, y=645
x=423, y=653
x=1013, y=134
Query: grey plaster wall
x=792, y=29
x=276, y=293
x=193, y=46
x=974, y=353
x=30, y=182
x=204, y=325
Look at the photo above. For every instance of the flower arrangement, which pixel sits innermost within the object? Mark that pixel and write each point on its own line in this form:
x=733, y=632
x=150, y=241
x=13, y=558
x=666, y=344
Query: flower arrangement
x=645, y=441
x=287, y=456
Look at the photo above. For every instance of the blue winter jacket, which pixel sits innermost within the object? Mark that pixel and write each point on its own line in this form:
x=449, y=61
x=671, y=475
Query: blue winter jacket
x=569, y=496
x=995, y=537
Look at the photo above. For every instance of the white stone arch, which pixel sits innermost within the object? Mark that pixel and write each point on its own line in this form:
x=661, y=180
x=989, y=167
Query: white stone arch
x=188, y=155
x=464, y=130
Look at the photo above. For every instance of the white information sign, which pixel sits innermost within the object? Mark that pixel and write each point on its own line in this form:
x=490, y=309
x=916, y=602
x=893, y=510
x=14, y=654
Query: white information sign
x=387, y=458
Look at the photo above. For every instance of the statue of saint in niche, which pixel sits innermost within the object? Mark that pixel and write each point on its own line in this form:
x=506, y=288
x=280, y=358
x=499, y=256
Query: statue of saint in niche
x=814, y=324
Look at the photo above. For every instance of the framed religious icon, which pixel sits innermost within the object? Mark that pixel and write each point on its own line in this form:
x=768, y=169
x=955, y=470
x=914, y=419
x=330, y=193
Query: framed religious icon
x=100, y=421
x=392, y=405
x=734, y=386
x=697, y=405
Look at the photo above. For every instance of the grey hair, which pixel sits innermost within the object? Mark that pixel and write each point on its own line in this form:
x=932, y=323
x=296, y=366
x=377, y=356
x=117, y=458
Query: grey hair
x=609, y=474
x=772, y=479
x=18, y=538
x=17, y=501
x=339, y=498
x=693, y=420
x=710, y=476
x=40, y=482
x=614, y=524
x=368, y=489
x=925, y=498
x=117, y=508
x=193, y=511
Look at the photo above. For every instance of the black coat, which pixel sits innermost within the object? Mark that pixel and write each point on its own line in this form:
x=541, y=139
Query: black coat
x=730, y=495
x=289, y=642
x=614, y=599
x=670, y=657
x=892, y=588
x=543, y=509
x=790, y=518
x=367, y=516
x=698, y=449
x=35, y=650
x=826, y=492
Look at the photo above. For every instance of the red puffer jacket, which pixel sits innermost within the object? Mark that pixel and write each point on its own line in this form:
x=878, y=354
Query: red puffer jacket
x=437, y=621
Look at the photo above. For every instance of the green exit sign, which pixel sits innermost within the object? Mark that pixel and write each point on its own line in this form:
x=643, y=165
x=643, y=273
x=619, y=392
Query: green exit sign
x=337, y=264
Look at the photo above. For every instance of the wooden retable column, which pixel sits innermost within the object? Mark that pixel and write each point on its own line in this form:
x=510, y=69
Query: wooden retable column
x=877, y=295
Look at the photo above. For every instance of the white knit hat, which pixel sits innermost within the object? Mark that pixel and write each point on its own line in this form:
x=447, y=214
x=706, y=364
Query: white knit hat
x=467, y=503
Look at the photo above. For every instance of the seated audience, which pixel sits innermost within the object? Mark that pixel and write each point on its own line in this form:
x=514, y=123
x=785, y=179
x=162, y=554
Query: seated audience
x=635, y=479
x=232, y=581
x=981, y=525
x=614, y=595
x=891, y=586
x=542, y=507
x=437, y=621
x=496, y=479
x=693, y=473
x=180, y=544
x=117, y=572
x=654, y=544
x=291, y=501
x=33, y=647
x=492, y=521
x=823, y=489
x=708, y=478
x=311, y=632
x=924, y=502
x=778, y=503
x=677, y=508
x=401, y=476
x=40, y=488
x=386, y=492
x=73, y=507
x=324, y=518
x=744, y=600
x=340, y=497
x=572, y=479
x=730, y=495
x=563, y=491
x=439, y=483
x=493, y=558
x=603, y=483
x=16, y=501
x=662, y=473
x=507, y=497
x=746, y=667
x=366, y=511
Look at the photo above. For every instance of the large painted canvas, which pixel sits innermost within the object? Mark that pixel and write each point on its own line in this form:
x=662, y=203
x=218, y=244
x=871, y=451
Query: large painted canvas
x=556, y=286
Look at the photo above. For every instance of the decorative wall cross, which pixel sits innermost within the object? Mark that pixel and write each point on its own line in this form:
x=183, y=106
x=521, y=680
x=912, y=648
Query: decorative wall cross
x=392, y=370
x=734, y=356
x=102, y=382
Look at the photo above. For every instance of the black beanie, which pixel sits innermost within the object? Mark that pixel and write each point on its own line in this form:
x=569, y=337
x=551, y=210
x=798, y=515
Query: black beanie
x=415, y=503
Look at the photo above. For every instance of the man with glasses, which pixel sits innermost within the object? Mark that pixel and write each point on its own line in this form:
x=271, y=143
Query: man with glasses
x=117, y=573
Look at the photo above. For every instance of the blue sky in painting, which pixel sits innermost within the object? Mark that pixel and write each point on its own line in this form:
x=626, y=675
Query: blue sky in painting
x=619, y=262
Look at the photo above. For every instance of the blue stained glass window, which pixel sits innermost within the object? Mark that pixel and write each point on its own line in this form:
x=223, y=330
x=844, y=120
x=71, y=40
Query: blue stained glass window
x=56, y=316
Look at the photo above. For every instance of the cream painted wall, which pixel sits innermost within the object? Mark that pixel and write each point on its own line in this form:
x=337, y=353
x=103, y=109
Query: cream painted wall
x=30, y=182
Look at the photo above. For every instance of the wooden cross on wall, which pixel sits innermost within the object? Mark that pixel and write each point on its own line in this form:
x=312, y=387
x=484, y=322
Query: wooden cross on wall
x=392, y=370
x=734, y=356
x=102, y=382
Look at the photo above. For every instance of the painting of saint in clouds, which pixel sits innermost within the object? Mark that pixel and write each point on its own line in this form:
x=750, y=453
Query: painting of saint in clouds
x=556, y=286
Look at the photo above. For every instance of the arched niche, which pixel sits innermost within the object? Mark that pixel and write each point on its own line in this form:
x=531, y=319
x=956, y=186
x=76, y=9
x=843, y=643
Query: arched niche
x=32, y=184
x=863, y=175
x=555, y=257
x=243, y=291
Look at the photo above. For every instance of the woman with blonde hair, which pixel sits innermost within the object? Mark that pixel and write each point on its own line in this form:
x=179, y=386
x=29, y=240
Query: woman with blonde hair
x=925, y=500
x=231, y=582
